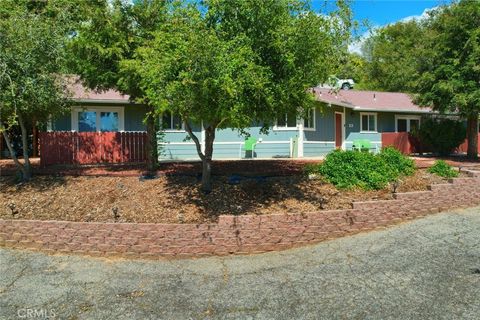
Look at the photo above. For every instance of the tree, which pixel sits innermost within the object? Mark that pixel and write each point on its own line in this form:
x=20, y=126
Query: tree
x=353, y=66
x=32, y=37
x=231, y=63
x=108, y=36
x=450, y=70
x=392, y=54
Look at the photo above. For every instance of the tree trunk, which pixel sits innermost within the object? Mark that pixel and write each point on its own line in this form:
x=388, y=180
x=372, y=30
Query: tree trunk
x=205, y=156
x=152, y=152
x=472, y=136
x=1, y=148
x=20, y=167
x=27, y=173
x=207, y=161
x=34, y=139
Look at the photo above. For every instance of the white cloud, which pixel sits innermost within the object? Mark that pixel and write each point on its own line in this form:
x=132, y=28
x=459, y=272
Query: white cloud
x=356, y=46
x=419, y=17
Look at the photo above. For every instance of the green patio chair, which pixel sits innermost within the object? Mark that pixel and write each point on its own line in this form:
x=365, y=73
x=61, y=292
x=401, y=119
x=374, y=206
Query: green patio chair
x=249, y=147
x=362, y=145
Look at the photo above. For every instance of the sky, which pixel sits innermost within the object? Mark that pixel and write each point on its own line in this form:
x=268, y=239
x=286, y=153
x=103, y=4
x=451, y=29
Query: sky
x=382, y=12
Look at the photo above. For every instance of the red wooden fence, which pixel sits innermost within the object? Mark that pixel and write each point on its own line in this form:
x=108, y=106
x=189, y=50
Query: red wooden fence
x=407, y=144
x=402, y=141
x=92, y=147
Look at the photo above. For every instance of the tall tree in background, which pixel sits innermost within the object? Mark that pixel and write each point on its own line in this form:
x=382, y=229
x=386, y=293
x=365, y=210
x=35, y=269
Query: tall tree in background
x=109, y=35
x=32, y=41
x=231, y=63
x=450, y=68
x=353, y=66
x=392, y=54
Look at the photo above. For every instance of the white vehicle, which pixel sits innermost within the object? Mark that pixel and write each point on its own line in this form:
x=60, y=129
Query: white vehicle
x=336, y=83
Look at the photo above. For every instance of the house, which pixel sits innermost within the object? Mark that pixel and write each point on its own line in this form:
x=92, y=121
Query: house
x=340, y=120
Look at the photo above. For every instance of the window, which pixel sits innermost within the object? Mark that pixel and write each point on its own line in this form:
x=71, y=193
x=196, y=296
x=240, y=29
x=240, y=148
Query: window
x=368, y=122
x=287, y=121
x=172, y=122
x=87, y=121
x=407, y=123
x=309, y=120
x=97, y=119
x=108, y=121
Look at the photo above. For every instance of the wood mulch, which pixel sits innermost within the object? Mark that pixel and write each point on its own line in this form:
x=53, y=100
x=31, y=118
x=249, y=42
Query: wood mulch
x=175, y=198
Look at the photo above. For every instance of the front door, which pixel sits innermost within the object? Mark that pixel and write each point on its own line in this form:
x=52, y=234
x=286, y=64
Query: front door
x=338, y=130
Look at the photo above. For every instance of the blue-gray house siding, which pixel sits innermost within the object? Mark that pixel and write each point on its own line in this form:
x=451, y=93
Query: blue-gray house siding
x=228, y=144
x=278, y=143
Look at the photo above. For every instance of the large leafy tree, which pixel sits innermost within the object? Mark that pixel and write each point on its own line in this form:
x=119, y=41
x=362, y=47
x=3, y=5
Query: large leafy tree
x=392, y=54
x=109, y=35
x=353, y=65
x=231, y=63
x=32, y=38
x=450, y=72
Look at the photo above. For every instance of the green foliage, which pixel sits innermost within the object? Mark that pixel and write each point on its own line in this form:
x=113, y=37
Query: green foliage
x=442, y=169
x=231, y=63
x=442, y=136
x=353, y=66
x=109, y=35
x=348, y=169
x=31, y=57
x=450, y=71
x=234, y=62
x=397, y=162
x=391, y=53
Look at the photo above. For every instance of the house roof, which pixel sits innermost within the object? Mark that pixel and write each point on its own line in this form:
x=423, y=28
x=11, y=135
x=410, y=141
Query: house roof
x=353, y=99
x=370, y=100
x=82, y=94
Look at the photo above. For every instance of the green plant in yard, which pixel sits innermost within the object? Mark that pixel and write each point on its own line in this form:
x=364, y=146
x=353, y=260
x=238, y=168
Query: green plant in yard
x=349, y=169
x=397, y=162
x=443, y=169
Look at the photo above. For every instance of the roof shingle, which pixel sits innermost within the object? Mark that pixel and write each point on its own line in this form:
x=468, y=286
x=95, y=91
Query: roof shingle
x=370, y=100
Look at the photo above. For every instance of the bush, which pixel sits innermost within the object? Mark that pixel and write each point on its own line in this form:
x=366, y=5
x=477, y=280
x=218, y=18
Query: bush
x=347, y=169
x=398, y=162
x=443, y=169
x=442, y=136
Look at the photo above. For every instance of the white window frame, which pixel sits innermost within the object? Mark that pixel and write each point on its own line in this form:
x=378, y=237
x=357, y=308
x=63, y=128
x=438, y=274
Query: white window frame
x=98, y=110
x=171, y=124
x=297, y=124
x=408, y=118
x=314, y=119
x=361, y=122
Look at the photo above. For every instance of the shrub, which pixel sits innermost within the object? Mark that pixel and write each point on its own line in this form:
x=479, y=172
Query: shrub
x=347, y=169
x=442, y=136
x=397, y=162
x=443, y=169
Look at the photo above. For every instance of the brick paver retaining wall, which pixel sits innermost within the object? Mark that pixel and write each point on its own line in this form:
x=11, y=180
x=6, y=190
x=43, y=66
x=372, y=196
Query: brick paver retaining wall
x=235, y=234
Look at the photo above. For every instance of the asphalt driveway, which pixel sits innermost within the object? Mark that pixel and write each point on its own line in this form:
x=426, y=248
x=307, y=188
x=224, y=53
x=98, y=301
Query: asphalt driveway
x=425, y=269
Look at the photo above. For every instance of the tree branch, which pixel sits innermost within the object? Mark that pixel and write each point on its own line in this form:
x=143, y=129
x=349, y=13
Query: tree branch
x=194, y=138
x=10, y=148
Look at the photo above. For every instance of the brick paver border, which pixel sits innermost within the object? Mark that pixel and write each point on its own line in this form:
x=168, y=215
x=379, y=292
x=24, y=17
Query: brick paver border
x=235, y=234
